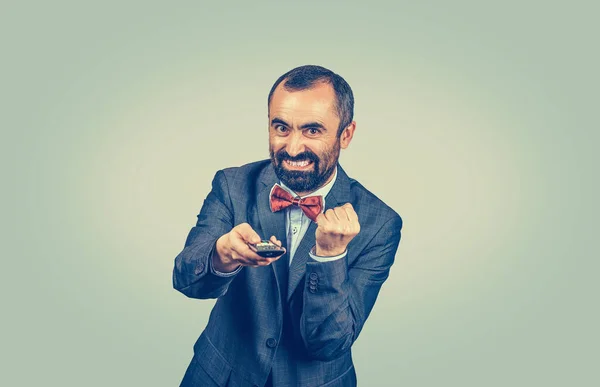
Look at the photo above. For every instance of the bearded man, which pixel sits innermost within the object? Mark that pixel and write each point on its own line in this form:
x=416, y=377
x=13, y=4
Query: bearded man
x=289, y=320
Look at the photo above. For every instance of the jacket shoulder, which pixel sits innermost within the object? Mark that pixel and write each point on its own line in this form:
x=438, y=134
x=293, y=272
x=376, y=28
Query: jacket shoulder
x=246, y=172
x=370, y=207
x=243, y=182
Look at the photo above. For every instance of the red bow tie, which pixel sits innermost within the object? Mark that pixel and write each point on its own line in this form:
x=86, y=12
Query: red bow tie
x=310, y=205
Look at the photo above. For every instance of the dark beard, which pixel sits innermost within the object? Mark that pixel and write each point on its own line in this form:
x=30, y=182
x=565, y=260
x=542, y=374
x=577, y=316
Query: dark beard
x=305, y=181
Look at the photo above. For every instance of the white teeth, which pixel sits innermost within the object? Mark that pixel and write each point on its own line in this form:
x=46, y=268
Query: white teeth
x=298, y=164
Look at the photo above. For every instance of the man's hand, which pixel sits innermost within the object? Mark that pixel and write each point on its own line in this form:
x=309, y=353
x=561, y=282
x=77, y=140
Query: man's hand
x=336, y=228
x=232, y=250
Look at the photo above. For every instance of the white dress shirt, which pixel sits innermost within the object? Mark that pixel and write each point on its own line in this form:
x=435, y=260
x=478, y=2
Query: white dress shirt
x=296, y=223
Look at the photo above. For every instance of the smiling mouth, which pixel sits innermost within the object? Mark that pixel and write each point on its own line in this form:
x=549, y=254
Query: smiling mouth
x=298, y=164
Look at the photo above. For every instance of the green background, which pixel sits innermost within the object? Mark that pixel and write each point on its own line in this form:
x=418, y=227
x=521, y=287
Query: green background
x=477, y=122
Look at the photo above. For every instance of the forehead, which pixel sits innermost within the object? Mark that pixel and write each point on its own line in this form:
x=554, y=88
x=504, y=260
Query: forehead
x=319, y=101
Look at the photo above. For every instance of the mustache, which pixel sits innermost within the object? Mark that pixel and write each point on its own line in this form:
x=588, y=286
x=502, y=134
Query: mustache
x=283, y=155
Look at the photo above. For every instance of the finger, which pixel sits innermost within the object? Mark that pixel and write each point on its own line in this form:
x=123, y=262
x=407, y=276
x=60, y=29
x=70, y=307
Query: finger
x=244, y=261
x=323, y=222
x=245, y=251
x=275, y=240
x=248, y=234
x=352, y=216
x=251, y=262
x=320, y=219
x=341, y=213
x=348, y=205
x=267, y=261
x=331, y=216
x=264, y=261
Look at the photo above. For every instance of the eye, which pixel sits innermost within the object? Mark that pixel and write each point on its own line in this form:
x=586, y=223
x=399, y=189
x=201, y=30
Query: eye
x=313, y=131
x=280, y=128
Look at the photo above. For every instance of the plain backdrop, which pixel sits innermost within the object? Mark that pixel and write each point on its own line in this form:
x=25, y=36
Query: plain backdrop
x=476, y=121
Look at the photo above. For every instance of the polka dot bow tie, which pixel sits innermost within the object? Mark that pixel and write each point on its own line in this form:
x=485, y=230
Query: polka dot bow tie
x=312, y=206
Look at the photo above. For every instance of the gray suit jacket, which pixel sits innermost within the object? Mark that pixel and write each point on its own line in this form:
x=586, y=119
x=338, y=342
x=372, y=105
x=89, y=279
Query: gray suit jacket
x=296, y=326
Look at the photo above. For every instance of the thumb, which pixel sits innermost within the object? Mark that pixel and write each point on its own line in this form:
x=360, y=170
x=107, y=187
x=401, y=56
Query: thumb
x=248, y=234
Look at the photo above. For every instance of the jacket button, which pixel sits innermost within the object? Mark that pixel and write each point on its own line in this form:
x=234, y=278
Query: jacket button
x=271, y=342
x=313, y=276
x=199, y=269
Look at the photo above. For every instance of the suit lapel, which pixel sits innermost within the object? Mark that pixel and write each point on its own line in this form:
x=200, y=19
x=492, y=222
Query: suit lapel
x=338, y=195
x=273, y=223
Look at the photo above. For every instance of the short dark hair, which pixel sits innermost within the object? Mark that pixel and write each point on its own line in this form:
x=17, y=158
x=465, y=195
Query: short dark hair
x=305, y=77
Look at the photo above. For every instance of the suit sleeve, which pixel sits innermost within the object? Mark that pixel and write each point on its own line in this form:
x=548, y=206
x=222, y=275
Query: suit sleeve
x=192, y=274
x=338, y=298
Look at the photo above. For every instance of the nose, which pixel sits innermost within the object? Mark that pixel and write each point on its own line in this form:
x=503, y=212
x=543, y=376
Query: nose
x=295, y=144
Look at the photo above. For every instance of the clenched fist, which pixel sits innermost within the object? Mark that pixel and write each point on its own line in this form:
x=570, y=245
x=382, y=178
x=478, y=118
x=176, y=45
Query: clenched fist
x=336, y=228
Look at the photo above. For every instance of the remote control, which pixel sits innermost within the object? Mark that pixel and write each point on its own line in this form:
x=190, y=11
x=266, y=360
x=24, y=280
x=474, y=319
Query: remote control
x=267, y=249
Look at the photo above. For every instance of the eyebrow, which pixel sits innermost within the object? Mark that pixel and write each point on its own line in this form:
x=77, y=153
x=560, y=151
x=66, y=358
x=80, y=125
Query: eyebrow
x=315, y=124
x=279, y=121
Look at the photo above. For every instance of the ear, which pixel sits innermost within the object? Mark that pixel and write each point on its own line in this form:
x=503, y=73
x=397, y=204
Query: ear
x=347, y=134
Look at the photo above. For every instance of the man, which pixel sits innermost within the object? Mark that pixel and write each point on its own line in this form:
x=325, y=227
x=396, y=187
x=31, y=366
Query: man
x=289, y=320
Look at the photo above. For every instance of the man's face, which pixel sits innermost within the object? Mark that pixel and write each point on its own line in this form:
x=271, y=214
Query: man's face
x=303, y=141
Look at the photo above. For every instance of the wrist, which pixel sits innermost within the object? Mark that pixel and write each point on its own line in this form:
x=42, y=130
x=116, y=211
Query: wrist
x=321, y=252
x=221, y=258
